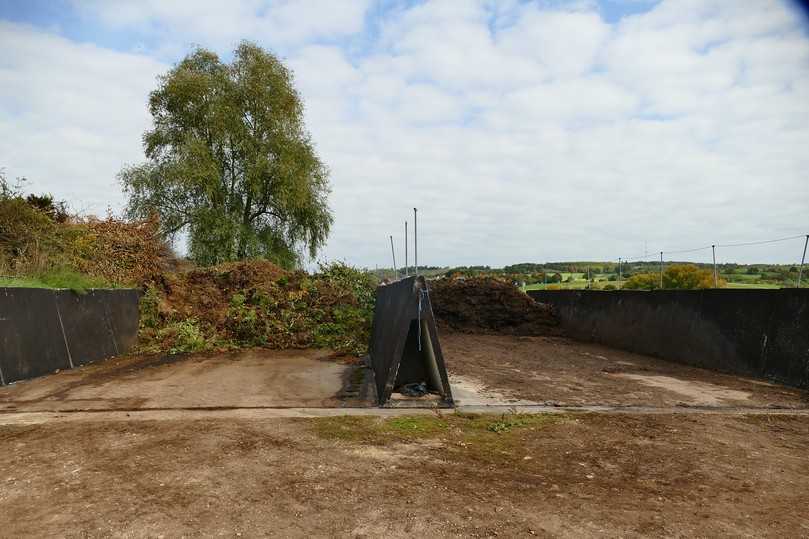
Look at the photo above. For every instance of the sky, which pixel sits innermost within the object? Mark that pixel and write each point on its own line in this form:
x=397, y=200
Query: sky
x=522, y=130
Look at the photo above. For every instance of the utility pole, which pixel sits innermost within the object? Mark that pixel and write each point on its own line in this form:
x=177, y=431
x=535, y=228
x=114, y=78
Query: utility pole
x=416, y=241
x=406, y=266
x=803, y=259
x=715, y=277
x=393, y=253
x=661, y=270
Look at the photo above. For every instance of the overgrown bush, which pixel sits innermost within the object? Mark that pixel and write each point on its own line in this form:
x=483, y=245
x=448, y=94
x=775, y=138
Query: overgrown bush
x=30, y=241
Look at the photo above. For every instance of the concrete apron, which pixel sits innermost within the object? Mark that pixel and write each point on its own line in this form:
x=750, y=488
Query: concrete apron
x=188, y=414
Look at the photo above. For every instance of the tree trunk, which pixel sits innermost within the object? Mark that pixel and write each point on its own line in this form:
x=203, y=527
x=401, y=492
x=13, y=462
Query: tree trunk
x=242, y=251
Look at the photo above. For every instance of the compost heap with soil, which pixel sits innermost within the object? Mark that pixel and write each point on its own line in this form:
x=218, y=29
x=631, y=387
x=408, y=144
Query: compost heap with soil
x=490, y=306
x=256, y=303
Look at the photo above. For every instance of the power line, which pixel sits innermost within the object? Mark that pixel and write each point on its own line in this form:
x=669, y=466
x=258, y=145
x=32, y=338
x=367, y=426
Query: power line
x=761, y=242
x=681, y=251
x=641, y=258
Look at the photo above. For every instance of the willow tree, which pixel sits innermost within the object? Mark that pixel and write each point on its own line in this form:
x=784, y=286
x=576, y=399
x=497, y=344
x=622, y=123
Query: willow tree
x=230, y=161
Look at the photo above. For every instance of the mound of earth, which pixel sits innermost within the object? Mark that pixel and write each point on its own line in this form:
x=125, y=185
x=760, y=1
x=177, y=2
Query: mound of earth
x=490, y=306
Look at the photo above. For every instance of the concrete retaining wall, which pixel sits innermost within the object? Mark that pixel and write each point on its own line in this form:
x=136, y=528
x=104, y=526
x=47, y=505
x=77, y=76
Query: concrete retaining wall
x=44, y=330
x=752, y=332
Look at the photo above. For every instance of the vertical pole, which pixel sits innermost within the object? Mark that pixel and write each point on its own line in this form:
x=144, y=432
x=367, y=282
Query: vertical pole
x=416, y=241
x=661, y=270
x=715, y=277
x=406, y=265
x=393, y=253
x=544, y=279
x=619, y=273
x=803, y=259
x=589, y=282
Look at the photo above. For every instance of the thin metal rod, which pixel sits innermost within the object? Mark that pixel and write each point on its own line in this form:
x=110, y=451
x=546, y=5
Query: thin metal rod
x=406, y=266
x=393, y=253
x=661, y=270
x=416, y=241
x=715, y=277
x=803, y=259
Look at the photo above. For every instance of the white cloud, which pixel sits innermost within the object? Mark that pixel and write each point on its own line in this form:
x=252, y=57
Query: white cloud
x=71, y=114
x=565, y=44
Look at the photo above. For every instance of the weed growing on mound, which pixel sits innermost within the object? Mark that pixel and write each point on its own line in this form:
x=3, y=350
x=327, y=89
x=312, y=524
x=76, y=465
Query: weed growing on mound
x=256, y=303
x=187, y=336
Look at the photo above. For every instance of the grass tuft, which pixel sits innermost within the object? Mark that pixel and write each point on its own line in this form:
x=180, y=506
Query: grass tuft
x=484, y=438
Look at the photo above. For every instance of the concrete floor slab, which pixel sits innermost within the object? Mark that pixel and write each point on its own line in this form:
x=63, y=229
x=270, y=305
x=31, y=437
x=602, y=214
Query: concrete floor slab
x=244, y=379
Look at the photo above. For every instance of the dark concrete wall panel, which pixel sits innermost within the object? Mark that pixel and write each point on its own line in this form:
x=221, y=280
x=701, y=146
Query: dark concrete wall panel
x=87, y=326
x=31, y=340
x=44, y=330
x=124, y=315
x=752, y=332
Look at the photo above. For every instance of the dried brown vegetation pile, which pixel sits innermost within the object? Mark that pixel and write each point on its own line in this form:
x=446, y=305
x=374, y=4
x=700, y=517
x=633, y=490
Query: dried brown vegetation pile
x=121, y=252
x=256, y=303
x=491, y=306
x=38, y=236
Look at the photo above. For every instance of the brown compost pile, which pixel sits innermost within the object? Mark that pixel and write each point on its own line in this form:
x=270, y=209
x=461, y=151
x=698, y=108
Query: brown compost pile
x=490, y=306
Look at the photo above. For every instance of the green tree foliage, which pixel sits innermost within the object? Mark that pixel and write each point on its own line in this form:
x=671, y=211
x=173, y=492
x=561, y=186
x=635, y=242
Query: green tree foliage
x=675, y=277
x=643, y=281
x=688, y=277
x=230, y=161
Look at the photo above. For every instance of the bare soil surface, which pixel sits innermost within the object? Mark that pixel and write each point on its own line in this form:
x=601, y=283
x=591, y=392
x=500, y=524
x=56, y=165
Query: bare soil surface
x=248, y=378
x=194, y=446
x=585, y=475
x=560, y=371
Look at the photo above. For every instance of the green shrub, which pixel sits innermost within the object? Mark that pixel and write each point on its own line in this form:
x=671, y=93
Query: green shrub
x=243, y=319
x=349, y=329
x=186, y=336
x=150, y=308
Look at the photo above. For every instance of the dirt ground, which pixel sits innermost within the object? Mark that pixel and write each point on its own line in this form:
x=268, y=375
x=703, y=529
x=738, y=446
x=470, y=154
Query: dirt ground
x=183, y=451
x=584, y=475
x=560, y=371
